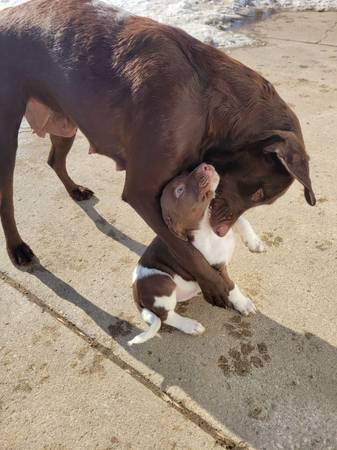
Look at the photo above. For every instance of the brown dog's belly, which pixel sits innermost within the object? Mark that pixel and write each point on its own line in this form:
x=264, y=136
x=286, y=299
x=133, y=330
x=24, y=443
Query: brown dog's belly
x=120, y=161
x=44, y=120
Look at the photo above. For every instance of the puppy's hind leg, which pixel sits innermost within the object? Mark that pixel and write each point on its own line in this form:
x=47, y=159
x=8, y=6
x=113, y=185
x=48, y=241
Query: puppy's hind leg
x=155, y=293
x=184, y=324
x=57, y=161
x=169, y=303
x=11, y=113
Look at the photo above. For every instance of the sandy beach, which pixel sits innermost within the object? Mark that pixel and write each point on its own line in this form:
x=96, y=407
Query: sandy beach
x=69, y=381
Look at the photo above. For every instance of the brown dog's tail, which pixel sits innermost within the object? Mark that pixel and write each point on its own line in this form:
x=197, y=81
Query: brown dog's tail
x=155, y=324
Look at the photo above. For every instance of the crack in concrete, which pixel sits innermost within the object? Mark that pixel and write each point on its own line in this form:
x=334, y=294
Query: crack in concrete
x=299, y=41
x=220, y=438
x=326, y=34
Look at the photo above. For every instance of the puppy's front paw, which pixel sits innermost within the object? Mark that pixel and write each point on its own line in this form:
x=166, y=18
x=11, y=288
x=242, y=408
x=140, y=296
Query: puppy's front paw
x=241, y=303
x=255, y=244
x=247, y=307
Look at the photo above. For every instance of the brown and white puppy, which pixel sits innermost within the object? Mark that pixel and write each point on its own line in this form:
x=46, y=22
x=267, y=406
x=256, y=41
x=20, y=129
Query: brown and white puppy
x=158, y=280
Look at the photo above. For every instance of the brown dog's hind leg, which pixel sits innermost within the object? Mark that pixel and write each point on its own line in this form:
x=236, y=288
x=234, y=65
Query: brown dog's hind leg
x=10, y=119
x=57, y=161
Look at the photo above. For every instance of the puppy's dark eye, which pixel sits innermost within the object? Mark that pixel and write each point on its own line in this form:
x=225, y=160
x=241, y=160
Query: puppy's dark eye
x=179, y=190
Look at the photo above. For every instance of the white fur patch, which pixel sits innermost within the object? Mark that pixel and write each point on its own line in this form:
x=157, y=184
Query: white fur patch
x=216, y=249
x=184, y=324
x=143, y=272
x=241, y=303
x=185, y=289
x=167, y=302
x=215, y=183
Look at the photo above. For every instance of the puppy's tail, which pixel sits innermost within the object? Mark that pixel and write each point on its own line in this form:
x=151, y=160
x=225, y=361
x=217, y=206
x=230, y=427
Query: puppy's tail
x=155, y=324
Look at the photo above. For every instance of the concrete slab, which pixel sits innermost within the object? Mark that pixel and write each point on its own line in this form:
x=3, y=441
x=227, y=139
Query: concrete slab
x=330, y=37
x=268, y=380
x=294, y=26
x=58, y=393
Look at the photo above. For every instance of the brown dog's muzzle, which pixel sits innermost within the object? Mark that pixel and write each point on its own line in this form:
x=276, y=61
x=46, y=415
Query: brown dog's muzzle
x=222, y=218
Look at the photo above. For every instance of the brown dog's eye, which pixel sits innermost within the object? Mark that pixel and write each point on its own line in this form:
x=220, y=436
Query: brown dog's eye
x=258, y=196
x=179, y=190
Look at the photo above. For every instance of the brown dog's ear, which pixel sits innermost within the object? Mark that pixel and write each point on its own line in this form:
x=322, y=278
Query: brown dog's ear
x=291, y=153
x=175, y=229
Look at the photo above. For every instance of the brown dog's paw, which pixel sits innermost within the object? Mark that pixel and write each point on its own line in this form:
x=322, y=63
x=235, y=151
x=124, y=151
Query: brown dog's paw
x=216, y=298
x=21, y=255
x=81, y=193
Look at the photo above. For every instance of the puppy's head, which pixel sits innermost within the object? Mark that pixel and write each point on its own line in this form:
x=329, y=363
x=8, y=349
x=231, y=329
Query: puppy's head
x=186, y=198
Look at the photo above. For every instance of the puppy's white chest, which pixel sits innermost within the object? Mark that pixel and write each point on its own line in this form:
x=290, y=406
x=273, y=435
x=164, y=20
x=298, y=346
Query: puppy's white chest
x=216, y=249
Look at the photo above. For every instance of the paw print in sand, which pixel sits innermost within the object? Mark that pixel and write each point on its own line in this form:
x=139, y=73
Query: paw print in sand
x=241, y=361
x=238, y=328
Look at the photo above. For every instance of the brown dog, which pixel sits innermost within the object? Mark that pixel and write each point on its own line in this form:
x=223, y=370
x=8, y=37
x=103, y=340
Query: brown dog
x=159, y=282
x=155, y=100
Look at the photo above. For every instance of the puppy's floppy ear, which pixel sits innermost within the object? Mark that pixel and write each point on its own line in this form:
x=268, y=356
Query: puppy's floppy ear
x=290, y=151
x=175, y=229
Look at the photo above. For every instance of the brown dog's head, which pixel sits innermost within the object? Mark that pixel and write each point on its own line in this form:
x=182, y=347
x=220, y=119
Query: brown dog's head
x=257, y=174
x=185, y=199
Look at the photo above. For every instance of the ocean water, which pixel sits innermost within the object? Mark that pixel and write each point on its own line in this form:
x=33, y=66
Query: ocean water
x=212, y=21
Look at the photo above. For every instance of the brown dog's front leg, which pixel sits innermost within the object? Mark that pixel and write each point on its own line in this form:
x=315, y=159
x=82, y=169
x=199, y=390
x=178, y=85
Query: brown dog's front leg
x=11, y=112
x=237, y=300
x=214, y=286
x=222, y=269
